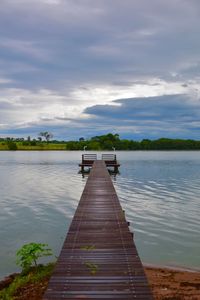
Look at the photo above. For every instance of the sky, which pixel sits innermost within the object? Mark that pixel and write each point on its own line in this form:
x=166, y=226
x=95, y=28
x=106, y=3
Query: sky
x=81, y=68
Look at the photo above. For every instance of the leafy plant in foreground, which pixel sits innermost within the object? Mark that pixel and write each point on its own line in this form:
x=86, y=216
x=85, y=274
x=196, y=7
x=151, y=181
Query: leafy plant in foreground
x=28, y=255
x=23, y=282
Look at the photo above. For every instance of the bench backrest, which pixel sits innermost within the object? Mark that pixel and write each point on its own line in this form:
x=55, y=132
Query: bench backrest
x=109, y=157
x=89, y=157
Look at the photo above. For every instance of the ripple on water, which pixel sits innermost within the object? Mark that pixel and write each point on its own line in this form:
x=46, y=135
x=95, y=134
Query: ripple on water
x=160, y=193
x=163, y=211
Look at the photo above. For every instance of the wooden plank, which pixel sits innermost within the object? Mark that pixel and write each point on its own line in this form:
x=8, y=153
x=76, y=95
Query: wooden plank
x=99, y=259
x=111, y=161
x=89, y=156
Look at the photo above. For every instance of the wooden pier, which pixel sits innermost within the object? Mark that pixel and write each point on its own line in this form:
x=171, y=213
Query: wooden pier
x=99, y=259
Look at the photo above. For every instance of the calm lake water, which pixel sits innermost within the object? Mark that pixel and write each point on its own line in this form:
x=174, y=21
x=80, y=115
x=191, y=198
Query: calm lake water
x=160, y=192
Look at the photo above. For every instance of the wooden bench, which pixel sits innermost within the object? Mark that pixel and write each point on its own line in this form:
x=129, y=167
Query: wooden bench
x=87, y=160
x=111, y=161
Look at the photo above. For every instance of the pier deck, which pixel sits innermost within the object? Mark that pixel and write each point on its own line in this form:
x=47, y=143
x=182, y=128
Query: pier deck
x=99, y=259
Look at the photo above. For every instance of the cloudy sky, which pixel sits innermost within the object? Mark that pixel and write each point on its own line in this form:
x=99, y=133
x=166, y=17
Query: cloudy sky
x=89, y=67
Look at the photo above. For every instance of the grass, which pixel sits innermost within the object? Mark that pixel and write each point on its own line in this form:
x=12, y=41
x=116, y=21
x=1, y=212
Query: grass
x=41, y=146
x=93, y=268
x=3, y=146
x=34, y=276
x=88, y=247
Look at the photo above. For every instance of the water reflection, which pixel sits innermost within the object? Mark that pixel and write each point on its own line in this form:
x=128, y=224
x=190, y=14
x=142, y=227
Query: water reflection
x=86, y=173
x=159, y=191
x=161, y=199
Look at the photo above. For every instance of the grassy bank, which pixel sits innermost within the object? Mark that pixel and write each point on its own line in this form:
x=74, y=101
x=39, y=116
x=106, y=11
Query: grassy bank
x=28, y=286
x=37, y=147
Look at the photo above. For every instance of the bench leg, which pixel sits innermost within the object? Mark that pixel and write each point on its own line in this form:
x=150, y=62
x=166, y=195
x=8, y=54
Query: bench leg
x=116, y=169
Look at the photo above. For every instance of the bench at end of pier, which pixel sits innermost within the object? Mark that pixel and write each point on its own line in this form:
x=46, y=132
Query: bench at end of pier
x=111, y=161
x=87, y=160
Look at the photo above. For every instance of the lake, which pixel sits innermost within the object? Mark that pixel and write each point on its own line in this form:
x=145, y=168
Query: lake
x=160, y=192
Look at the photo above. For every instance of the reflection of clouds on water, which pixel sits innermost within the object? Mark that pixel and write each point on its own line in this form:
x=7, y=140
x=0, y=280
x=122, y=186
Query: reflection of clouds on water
x=161, y=201
x=39, y=194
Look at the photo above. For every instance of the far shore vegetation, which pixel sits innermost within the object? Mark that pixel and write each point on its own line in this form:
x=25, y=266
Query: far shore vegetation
x=107, y=142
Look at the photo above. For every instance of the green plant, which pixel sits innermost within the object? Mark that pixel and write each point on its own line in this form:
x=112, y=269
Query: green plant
x=12, y=146
x=28, y=254
x=92, y=267
x=38, y=274
x=88, y=248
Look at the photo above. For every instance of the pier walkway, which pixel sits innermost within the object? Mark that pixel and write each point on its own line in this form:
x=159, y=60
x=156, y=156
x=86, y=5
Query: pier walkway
x=99, y=259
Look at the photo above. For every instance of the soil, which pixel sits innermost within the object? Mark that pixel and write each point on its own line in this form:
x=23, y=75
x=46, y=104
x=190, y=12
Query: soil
x=170, y=284
x=33, y=291
x=166, y=284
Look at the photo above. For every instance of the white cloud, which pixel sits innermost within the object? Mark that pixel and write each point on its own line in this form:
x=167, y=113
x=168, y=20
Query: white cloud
x=5, y=80
x=27, y=107
x=105, y=94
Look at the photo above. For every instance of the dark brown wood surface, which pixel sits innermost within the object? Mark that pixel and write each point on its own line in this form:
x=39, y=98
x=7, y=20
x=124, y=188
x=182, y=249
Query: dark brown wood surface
x=99, y=259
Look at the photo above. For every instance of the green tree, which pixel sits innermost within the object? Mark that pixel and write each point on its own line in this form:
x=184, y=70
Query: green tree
x=146, y=144
x=93, y=145
x=28, y=255
x=72, y=145
x=12, y=146
x=47, y=135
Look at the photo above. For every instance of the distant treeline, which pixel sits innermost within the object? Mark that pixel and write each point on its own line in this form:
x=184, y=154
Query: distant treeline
x=112, y=141
x=103, y=142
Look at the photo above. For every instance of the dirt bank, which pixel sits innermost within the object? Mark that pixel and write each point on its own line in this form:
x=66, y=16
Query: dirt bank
x=170, y=284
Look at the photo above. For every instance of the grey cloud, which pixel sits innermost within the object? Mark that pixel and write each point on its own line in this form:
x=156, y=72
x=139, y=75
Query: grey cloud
x=161, y=108
x=87, y=37
x=59, y=45
x=4, y=105
x=165, y=115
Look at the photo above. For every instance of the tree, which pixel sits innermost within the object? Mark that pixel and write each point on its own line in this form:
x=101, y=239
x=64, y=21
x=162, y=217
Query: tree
x=28, y=254
x=47, y=135
x=12, y=146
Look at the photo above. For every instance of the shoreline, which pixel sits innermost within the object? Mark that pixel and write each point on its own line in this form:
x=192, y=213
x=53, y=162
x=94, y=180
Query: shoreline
x=103, y=150
x=146, y=266
x=173, y=283
x=166, y=282
x=172, y=268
